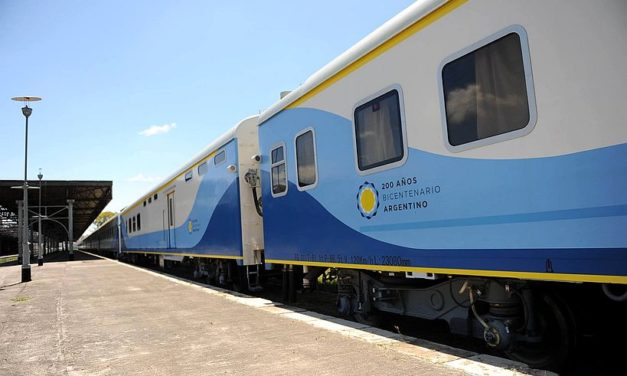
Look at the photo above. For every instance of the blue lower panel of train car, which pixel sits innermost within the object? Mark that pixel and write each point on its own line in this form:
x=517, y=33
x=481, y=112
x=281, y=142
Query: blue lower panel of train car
x=557, y=214
x=213, y=226
x=221, y=235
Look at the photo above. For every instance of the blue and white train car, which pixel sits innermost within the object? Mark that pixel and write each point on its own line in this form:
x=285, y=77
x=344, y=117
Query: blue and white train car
x=204, y=212
x=476, y=145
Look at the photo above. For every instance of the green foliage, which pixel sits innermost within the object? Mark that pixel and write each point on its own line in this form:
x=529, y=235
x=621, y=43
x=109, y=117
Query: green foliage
x=329, y=277
x=103, y=217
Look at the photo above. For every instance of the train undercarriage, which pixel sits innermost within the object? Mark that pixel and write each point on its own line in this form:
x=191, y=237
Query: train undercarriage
x=535, y=322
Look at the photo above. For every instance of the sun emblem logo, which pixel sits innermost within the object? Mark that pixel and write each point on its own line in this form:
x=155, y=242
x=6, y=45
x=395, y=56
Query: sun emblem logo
x=190, y=227
x=367, y=200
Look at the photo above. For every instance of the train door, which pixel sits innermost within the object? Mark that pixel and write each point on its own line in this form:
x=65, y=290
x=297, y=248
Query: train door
x=171, y=221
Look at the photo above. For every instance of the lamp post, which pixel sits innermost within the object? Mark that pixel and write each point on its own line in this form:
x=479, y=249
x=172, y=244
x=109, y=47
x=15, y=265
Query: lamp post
x=40, y=259
x=26, y=111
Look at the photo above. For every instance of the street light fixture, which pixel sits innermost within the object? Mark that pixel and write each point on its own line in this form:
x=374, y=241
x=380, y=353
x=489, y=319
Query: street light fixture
x=40, y=259
x=26, y=111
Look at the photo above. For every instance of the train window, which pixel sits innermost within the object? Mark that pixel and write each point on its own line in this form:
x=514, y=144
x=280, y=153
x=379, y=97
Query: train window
x=155, y=197
x=139, y=222
x=279, y=175
x=203, y=168
x=188, y=175
x=134, y=224
x=128, y=226
x=144, y=202
x=487, y=91
x=306, y=159
x=379, y=134
x=219, y=158
x=149, y=200
x=277, y=155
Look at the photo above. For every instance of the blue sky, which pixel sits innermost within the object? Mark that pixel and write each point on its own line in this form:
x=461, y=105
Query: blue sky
x=110, y=70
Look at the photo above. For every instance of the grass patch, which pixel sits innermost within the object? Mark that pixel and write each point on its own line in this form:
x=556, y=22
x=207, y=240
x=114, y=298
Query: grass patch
x=6, y=259
x=20, y=298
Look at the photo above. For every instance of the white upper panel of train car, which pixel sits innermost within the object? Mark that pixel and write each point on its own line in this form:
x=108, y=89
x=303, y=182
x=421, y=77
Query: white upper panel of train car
x=574, y=82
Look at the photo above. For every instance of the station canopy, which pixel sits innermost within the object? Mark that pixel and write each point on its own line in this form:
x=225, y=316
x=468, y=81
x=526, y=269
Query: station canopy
x=90, y=198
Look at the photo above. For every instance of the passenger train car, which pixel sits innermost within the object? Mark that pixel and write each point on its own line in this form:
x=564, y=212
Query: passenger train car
x=202, y=210
x=465, y=162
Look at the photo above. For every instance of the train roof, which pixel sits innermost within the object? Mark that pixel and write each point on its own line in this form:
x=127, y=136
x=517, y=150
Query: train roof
x=221, y=141
x=384, y=33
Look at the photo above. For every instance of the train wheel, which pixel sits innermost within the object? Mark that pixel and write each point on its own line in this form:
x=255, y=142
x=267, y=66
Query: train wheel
x=197, y=273
x=555, y=325
x=368, y=316
x=371, y=319
x=239, y=282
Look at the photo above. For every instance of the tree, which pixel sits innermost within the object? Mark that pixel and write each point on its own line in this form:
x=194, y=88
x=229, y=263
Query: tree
x=103, y=217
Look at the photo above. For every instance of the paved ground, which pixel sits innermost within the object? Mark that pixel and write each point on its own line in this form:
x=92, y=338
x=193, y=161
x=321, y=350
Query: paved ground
x=101, y=317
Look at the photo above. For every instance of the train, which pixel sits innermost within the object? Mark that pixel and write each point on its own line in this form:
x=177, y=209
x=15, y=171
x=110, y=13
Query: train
x=464, y=162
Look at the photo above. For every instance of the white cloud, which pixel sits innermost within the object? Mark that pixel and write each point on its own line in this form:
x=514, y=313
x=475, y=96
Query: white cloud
x=157, y=129
x=473, y=101
x=143, y=179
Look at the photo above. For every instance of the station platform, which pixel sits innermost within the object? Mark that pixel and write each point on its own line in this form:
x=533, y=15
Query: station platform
x=95, y=316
